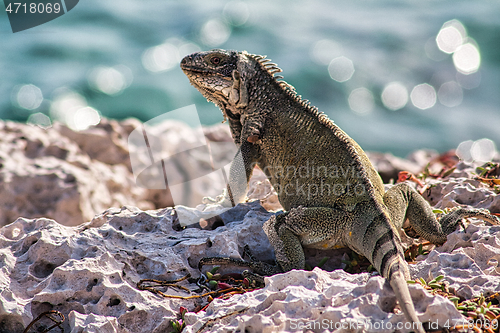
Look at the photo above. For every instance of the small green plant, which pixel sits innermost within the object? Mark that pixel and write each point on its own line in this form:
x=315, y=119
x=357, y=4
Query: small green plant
x=357, y=264
x=487, y=169
x=179, y=324
x=352, y=263
x=478, y=308
x=445, y=172
x=320, y=264
x=434, y=285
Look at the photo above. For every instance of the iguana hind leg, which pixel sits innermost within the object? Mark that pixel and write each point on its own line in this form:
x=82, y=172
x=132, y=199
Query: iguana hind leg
x=366, y=230
x=284, y=232
x=303, y=227
x=403, y=202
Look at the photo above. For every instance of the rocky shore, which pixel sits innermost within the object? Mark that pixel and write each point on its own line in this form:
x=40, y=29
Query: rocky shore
x=62, y=248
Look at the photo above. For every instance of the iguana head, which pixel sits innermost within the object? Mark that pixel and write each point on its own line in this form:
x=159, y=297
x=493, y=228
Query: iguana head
x=227, y=78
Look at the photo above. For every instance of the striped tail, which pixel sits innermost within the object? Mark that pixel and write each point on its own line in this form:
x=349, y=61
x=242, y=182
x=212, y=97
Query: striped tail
x=397, y=279
x=381, y=245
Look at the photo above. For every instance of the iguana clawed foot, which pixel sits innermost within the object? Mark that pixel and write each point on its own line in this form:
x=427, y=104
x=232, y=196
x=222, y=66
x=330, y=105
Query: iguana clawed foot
x=260, y=269
x=451, y=220
x=222, y=199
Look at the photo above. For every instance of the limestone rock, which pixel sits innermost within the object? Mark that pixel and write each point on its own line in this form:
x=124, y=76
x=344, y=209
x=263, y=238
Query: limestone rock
x=90, y=272
x=462, y=188
x=469, y=260
x=105, y=142
x=319, y=301
x=44, y=174
x=69, y=176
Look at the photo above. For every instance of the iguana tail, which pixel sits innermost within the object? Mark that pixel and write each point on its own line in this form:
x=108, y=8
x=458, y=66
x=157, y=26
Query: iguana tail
x=398, y=277
x=377, y=241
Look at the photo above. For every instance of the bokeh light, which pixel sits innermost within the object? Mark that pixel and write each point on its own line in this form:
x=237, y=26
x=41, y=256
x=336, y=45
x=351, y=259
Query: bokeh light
x=39, y=119
x=394, y=96
x=450, y=94
x=110, y=80
x=423, y=96
x=28, y=96
x=161, y=57
x=341, y=69
x=452, y=39
x=65, y=100
x=482, y=150
x=236, y=12
x=214, y=33
x=467, y=59
x=71, y=109
x=361, y=100
x=463, y=151
x=325, y=50
x=451, y=36
x=83, y=118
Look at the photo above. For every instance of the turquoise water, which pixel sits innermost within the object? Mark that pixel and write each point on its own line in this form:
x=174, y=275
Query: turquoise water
x=120, y=59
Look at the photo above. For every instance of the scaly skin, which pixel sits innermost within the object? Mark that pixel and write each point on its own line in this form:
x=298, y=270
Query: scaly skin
x=332, y=195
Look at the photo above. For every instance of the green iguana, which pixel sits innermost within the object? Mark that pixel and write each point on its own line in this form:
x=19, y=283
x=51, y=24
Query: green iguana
x=331, y=193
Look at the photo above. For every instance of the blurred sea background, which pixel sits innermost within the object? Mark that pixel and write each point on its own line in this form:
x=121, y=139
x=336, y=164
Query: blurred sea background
x=396, y=75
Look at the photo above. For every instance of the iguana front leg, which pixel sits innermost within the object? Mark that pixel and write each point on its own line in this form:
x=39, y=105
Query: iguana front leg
x=403, y=202
x=240, y=171
x=252, y=127
x=235, y=125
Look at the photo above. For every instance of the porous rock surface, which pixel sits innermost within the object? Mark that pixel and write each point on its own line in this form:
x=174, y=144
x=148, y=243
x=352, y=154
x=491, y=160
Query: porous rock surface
x=89, y=273
x=70, y=176
x=462, y=188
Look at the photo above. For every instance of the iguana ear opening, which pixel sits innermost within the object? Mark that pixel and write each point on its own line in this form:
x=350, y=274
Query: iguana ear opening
x=238, y=94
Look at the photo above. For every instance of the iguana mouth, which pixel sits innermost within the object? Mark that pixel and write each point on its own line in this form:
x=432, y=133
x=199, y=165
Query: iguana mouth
x=192, y=69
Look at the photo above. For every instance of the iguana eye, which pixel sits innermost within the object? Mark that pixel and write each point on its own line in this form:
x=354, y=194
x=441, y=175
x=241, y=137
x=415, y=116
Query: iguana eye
x=215, y=60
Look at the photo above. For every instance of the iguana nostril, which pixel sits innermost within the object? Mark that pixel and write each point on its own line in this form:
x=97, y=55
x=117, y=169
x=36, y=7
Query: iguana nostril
x=186, y=60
